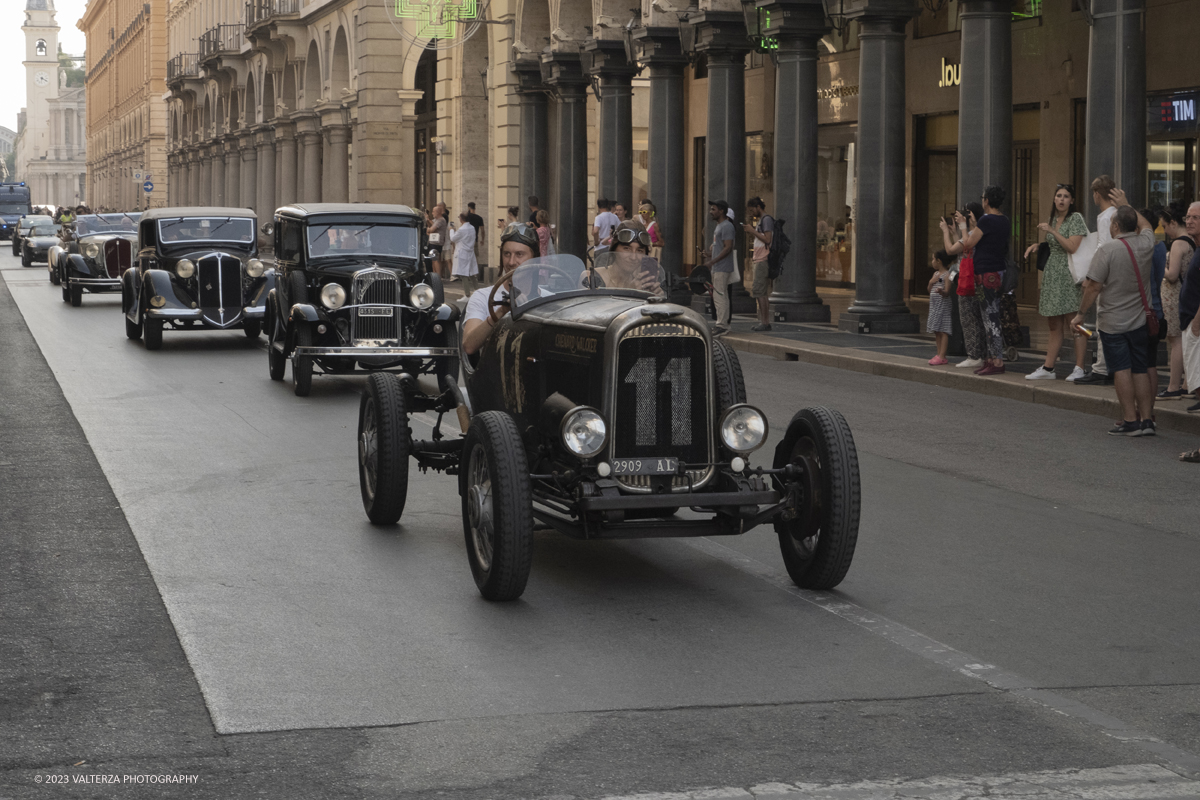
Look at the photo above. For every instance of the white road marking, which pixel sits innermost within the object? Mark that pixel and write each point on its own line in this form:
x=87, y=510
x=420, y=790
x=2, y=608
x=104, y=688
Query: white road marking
x=1129, y=782
x=1178, y=760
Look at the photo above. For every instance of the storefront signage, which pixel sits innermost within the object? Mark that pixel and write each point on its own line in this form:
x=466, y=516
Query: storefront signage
x=1173, y=113
x=950, y=75
x=438, y=20
x=837, y=91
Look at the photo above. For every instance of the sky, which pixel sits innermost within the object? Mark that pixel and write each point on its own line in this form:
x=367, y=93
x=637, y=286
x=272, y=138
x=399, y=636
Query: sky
x=12, y=50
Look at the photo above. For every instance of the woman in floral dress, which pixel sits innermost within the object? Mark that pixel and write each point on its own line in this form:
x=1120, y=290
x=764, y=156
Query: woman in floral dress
x=1060, y=295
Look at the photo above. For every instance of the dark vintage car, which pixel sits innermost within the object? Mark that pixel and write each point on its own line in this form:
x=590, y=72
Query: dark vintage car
x=195, y=268
x=35, y=245
x=353, y=295
x=94, y=252
x=602, y=413
x=21, y=229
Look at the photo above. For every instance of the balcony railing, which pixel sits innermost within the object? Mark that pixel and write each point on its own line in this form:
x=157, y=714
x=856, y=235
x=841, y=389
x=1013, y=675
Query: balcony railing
x=221, y=39
x=262, y=10
x=184, y=65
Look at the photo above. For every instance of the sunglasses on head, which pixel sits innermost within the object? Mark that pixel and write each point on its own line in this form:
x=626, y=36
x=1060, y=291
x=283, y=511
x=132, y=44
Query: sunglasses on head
x=629, y=236
x=1066, y=186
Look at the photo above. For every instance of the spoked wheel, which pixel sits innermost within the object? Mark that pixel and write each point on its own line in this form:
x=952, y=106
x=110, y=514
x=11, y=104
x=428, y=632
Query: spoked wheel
x=276, y=360
x=818, y=539
x=497, y=506
x=383, y=448
x=302, y=366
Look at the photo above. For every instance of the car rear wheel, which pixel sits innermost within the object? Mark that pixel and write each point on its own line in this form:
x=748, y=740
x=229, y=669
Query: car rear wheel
x=76, y=295
x=731, y=386
x=276, y=360
x=302, y=366
x=819, y=537
x=383, y=449
x=497, y=506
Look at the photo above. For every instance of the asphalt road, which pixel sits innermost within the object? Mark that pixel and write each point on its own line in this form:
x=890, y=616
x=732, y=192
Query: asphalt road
x=1023, y=600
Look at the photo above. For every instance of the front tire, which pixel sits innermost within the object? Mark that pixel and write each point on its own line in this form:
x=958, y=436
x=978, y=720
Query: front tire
x=818, y=542
x=276, y=360
x=383, y=449
x=153, y=331
x=53, y=270
x=26, y=259
x=497, y=506
x=731, y=386
x=252, y=328
x=76, y=295
x=302, y=366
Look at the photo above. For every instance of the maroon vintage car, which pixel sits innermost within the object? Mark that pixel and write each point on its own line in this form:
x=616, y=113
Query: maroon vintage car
x=94, y=255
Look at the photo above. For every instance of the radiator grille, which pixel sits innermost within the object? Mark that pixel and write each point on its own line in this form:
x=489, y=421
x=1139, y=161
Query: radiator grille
x=219, y=288
x=375, y=286
x=118, y=257
x=662, y=400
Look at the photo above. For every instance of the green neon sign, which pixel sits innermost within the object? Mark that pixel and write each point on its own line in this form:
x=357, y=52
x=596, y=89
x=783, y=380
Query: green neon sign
x=437, y=19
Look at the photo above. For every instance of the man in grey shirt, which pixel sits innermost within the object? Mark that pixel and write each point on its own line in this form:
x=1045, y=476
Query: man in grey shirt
x=1122, y=269
x=720, y=261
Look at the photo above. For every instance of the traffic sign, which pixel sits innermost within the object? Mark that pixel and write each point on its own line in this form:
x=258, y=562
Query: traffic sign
x=148, y=186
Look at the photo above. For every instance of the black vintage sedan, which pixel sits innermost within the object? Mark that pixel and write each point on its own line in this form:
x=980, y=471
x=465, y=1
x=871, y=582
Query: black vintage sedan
x=95, y=251
x=609, y=413
x=196, y=268
x=354, y=295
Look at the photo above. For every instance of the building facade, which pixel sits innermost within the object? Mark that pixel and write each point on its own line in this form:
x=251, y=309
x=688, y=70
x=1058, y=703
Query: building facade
x=50, y=143
x=127, y=121
x=859, y=128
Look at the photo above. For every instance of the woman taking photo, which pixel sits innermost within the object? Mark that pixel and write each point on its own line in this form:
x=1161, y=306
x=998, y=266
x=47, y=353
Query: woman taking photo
x=989, y=245
x=1060, y=295
x=970, y=311
x=1180, y=248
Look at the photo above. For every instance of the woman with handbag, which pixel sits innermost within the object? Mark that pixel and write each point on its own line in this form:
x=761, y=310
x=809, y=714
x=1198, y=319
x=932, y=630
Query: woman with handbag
x=970, y=312
x=989, y=245
x=1179, y=255
x=1060, y=295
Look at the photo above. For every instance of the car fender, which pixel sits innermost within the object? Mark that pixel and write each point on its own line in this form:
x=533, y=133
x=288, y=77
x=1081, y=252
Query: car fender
x=76, y=266
x=261, y=289
x=52, y=256
x=158, y=282
x=304, y=312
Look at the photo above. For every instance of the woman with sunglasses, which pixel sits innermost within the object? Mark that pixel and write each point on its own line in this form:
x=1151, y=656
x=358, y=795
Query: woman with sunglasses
x=647, y=212
x=628, y=264
x=1060, y=295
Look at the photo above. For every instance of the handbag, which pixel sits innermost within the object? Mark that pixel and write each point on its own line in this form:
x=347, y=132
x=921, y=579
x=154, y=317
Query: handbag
x=966, y=276
x=1012, y=274
x=1080, y=261
x=1043, y=253
x=1151, y=319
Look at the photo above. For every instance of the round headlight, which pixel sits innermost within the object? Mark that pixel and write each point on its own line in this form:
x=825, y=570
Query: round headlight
x=584, y=432
x=185, y=268
x=254, y=268
x=92, y=250
x=421, y=295
x=743, y=428
x=333, y=296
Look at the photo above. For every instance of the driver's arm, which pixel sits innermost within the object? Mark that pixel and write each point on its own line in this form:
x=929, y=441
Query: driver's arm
x=475, y=333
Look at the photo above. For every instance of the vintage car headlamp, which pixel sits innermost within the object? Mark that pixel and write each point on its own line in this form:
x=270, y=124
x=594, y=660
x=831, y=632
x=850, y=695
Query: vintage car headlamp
x=91, y=250
x=185, y=268
x=584, y=432
x=421, y=296
x=254, y=268
x=333, y=296
x=743, y=428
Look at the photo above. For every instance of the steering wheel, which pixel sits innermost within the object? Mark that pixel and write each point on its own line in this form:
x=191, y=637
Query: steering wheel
x=493, y=304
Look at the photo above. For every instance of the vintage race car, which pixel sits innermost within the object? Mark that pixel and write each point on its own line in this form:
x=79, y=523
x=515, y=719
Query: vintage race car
x=95, y=251
x=609, y=413
x=354, y=295
x=35, y=245
x=21, y=230
x=195, y=268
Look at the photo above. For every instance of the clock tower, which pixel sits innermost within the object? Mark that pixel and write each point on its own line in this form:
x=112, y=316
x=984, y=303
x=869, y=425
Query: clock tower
x=41, y=74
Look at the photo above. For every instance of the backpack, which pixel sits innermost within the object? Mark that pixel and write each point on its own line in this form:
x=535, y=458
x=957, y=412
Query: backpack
x=780, y=246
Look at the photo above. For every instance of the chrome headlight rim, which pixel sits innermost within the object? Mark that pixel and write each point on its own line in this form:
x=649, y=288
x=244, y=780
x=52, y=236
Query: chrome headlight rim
x=568, y=431
x=421, y=296
x=729, y=435
x=185, y=268
x=91, y=250
x=255, y=268
x=333, y=296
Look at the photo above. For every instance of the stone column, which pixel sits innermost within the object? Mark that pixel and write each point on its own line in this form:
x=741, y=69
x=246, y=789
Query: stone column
x=879, y=305
x=615, y=164
x=285, y=151
x=218, y=173
x=1116, y=102
x=797, y=25
x=534, y=175
x=338, y=189
x=193, y=177
x=265, y=197
x=570, y=150
x=249, y=190
x=661, y=51
x=206, y=176
x=312, y=166
x=985, y=99
x=172, y=182
x=233, y=172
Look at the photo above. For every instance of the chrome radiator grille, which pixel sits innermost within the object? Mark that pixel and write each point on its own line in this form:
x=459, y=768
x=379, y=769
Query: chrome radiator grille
x=219, y=288
x=662, y=401
x=375, y=286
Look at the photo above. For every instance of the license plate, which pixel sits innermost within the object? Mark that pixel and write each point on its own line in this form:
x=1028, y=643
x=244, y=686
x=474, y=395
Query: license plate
x=375, y=311
x=645, y=466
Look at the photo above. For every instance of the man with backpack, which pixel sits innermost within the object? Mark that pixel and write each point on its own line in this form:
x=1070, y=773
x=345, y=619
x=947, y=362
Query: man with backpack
x=761, y=287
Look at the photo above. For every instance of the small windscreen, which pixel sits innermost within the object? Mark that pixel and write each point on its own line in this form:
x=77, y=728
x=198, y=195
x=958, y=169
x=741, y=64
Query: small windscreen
x=559, y=274
x=173, y=230
x=362, y=239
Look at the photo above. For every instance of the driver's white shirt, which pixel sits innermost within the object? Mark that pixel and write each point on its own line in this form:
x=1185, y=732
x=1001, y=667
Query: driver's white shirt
x=477, y=305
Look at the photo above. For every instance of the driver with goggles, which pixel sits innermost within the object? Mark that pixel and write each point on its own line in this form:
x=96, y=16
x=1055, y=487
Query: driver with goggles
x=628, y=265
x=518, y=244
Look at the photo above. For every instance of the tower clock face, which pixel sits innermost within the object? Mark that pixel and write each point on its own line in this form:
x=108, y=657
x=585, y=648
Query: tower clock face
x=41, y=78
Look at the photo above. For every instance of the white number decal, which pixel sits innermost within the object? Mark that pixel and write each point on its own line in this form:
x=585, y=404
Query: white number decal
x=679, y=374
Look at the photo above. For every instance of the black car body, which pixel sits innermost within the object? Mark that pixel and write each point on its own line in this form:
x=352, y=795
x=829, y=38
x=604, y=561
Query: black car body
x=36, y=244
x=95, y=251
x=21, y=229
x=195, y=268
x=600, y=414
x=353, y=295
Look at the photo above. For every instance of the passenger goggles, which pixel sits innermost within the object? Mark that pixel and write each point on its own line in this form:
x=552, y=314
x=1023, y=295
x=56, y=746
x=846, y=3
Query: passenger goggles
x=629, y=236
x=520, y=229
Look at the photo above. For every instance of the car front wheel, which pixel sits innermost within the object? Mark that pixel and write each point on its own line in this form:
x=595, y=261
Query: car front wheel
x=53, y=270
x=76, y=295
x=302, y=366
x=383, y=448
x=252, y=328
x=497, y=506
x=276, y=360
x=818, y=536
